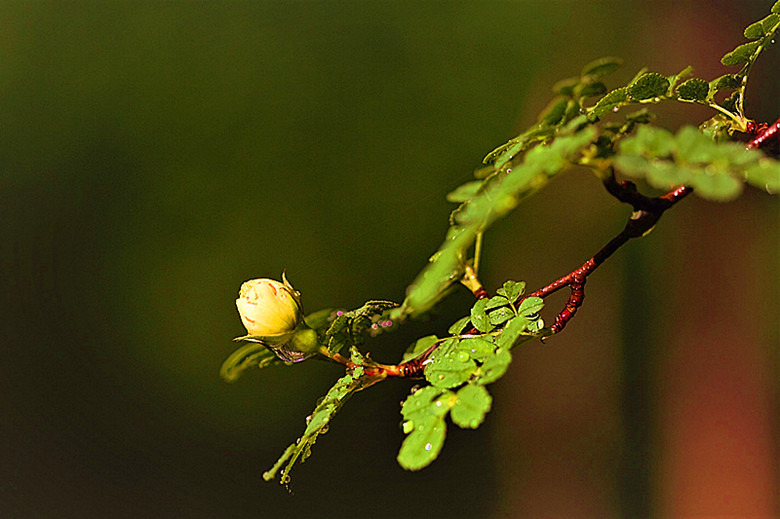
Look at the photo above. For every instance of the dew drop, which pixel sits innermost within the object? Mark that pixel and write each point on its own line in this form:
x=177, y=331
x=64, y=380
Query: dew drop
x=438, y=403
x=325, y=428
x=285, y=479
x=656, y=99
x=428, y=446
x=772, y=40
x=415, y=389
x=308, y=419
x=407, y=426
x=615, y=108
x=441, y=377
x=463, y=356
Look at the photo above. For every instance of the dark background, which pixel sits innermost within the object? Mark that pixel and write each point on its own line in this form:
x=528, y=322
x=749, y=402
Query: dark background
x=155, y=155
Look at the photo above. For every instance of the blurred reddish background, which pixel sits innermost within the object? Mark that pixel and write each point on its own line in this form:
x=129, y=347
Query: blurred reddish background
x=157, y=154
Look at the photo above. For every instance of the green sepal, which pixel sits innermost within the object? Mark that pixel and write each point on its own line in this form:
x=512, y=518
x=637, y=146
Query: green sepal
x=250, y=355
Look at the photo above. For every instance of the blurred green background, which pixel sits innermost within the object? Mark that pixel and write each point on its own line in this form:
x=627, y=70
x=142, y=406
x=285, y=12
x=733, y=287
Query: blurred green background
x=155, y=155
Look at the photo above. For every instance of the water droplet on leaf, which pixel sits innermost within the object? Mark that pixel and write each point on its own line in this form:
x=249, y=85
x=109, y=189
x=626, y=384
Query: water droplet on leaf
x=463, y=356
x=407, y=426
x=615, y=109
x=428, y=446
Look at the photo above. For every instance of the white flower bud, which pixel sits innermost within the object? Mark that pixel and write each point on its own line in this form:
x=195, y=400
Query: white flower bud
x=269, y=308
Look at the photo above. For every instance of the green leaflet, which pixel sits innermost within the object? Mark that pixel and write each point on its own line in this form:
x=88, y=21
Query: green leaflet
x=423, y=413
x=494, y=367
x=648, y=86
x=479, y=317
x=471, y=405
x=449, y=368
x=742, y=54
x=694, y=89
x=512, y=290
x=419, y=346
x=608, y=103
x=764, y=174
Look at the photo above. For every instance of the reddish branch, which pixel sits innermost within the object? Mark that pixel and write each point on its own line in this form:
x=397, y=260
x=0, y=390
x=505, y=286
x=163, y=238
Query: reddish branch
x=647, y=212
x=763, y=132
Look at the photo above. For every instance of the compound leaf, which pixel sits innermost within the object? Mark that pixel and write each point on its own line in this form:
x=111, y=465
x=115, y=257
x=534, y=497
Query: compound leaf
x=251, y=355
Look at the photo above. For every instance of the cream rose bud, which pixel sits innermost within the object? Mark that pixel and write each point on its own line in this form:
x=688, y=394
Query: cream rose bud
x=268, y=307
